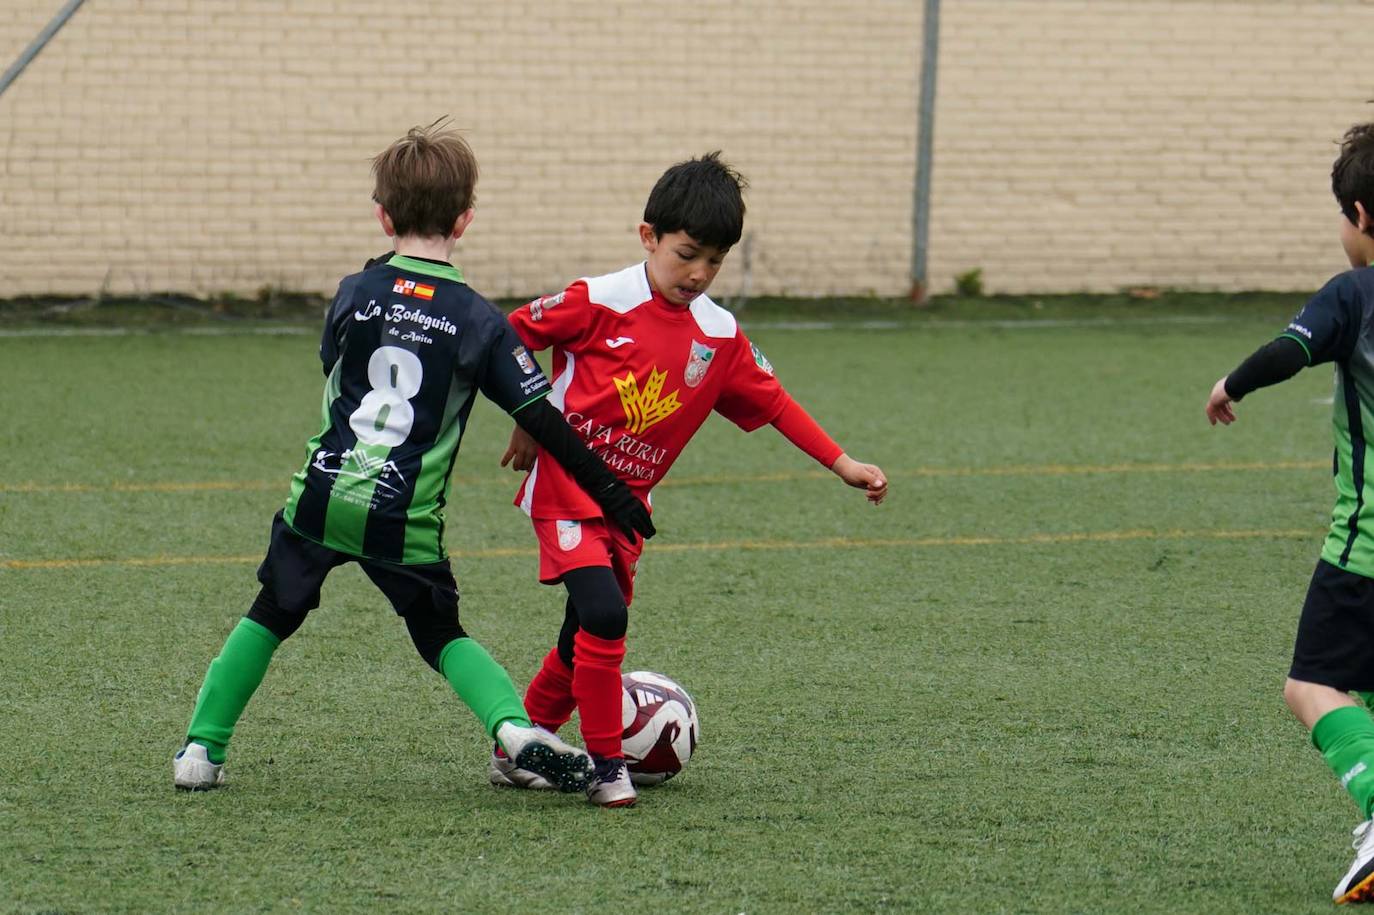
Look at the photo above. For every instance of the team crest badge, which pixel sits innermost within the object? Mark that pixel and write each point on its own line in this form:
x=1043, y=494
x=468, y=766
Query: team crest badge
x=697, y=363
x=524, y=360
x=569, y=535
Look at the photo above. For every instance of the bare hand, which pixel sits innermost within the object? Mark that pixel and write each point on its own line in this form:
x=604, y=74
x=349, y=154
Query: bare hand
x=522, y=449
x=862, y=476
x=1219, y=405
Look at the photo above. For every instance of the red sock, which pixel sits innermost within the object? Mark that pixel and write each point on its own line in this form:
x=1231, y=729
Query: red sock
x=549, y=699
x=596, y=686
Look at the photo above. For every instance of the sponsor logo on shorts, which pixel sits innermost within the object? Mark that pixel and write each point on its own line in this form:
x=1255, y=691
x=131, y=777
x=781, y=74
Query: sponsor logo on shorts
x=569, y=535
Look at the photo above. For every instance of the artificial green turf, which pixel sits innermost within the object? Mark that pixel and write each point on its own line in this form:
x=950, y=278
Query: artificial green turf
x=955, y=711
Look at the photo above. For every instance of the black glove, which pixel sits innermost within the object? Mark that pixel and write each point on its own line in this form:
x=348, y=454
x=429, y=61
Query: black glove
x=548, y=427
x=621, y=506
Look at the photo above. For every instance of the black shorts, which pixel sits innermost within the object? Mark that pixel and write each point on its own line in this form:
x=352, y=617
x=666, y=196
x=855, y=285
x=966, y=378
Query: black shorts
x=296, y=567
x=1335, y=643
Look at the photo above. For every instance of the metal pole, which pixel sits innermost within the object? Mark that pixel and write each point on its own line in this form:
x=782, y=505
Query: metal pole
x=925, y=129
x=37, y=44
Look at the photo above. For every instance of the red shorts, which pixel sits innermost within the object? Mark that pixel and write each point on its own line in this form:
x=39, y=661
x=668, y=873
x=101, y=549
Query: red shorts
x=568, y=545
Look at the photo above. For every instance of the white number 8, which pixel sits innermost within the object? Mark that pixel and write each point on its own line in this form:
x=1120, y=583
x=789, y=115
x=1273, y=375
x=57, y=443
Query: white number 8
x=385, y=415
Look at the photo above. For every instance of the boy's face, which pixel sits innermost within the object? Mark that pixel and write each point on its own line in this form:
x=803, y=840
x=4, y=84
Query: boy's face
x=680, y=267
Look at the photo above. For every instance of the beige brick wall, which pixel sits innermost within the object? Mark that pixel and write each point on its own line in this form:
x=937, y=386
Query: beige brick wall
x=211, y=145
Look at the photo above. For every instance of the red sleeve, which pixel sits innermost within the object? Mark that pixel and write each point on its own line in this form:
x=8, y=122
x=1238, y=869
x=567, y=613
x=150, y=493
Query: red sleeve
x=554, y=320
x=752, y=397
x=804, y=432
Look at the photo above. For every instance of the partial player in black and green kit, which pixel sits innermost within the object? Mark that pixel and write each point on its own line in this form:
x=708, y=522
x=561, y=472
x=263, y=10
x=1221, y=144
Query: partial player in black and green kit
x=1333, y=656
x=407, y=347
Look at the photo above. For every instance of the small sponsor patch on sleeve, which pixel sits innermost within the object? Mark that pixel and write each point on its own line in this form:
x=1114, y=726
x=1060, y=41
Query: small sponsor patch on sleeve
x=542, y=304
x=761, y=359
x=524, y=360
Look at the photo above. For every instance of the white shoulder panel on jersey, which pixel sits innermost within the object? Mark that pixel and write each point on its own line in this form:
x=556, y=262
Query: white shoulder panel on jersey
x=627, y=289
x=713, y=320
x=621, y=291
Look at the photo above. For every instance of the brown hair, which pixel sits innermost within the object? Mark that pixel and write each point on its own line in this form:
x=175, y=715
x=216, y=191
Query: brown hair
x=1352, y=174
x=426, y=179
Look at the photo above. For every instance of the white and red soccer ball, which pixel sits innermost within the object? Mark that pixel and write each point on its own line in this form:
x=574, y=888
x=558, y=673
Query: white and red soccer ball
x=661, y=728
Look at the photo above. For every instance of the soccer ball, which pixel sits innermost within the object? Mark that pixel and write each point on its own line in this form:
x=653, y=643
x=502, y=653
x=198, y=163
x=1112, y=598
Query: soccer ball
x=661, y=728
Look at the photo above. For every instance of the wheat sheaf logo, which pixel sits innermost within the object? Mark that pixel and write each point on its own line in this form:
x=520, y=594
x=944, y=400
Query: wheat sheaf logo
x=646, y=407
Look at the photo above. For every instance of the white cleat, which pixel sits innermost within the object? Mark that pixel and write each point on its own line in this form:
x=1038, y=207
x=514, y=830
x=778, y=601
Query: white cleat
x=611, y=785
x=193, y=771
x=504, y=773
x=540, y=753
x=1358, y=883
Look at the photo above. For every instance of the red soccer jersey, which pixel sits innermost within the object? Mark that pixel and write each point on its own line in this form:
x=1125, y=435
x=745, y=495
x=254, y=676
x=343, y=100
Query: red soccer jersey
x=636, y=377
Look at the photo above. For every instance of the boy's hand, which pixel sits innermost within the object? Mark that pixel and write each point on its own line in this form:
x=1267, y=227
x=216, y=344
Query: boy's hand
x=862, y=476
x=522, y=449
x=1219, y=405
x=623, y=508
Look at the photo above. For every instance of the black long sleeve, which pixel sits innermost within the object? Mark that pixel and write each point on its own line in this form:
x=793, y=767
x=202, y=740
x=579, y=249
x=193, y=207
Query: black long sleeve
x=1278, y=360
x=548, y=427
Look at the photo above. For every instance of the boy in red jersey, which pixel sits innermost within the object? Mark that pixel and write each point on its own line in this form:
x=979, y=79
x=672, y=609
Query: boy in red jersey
x=640, y=358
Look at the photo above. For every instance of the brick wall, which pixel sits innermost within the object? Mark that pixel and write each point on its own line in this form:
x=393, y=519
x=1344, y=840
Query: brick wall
x=213, y=145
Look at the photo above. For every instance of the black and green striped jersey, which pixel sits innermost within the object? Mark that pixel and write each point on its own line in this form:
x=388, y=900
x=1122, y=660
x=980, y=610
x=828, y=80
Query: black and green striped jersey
x=407, y=345
x=1337, y=325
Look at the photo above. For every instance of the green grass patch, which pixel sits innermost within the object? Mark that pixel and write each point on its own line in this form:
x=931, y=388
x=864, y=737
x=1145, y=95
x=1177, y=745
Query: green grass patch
x=1044, y=677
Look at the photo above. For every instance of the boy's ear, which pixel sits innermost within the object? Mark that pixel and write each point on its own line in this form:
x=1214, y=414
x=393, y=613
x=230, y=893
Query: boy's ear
x=647, y=237
x=1363, y=221
x=464, y=220
x=385, y=219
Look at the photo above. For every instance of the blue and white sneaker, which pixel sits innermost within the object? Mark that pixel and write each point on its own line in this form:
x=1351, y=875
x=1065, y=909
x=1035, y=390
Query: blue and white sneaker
x=193, y=771
x=538, y=751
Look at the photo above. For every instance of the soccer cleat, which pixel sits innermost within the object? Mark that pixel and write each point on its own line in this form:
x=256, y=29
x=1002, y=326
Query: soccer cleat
x=540, y=753
x=610, y=785
x=193, y=771
x=504, y=773
x=1358, y=883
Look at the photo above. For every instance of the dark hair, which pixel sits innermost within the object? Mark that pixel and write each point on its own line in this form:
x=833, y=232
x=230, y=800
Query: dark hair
x=1352, y=174
x=426, y=180
x=700, y=197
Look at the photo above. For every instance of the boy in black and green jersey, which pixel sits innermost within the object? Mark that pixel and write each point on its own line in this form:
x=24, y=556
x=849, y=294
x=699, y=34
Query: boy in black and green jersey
x=407, y=346
x=1334, y=651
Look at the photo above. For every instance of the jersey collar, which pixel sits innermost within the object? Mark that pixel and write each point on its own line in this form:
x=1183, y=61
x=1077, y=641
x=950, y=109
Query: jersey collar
x=426, y=268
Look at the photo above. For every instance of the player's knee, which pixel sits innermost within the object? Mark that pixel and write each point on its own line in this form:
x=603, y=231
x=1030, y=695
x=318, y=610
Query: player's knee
x=595, y=596
x=266, y=613
x=606, y=620
x=1294, y=693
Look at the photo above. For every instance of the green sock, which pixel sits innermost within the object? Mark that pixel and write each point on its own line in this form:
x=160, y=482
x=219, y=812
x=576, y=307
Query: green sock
x=229, y=684
x=1345, y=737
x=482, y=684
